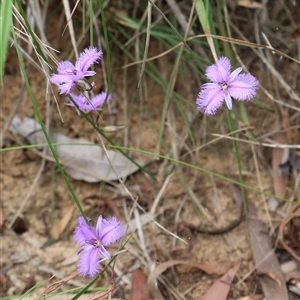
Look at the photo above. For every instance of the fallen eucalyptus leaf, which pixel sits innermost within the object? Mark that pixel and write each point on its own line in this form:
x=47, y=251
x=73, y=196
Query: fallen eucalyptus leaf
x=221, y=287
x=139, y=287
x=209, y=268
x=82, y=160
x=265, y=258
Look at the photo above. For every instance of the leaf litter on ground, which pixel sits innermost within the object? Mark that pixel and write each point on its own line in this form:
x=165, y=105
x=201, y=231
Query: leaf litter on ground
x=139, y=287
x=280, y=158
x=291, y=270
x=266, y=262
x=221, y=288
x=215, y=268
x=82, y=159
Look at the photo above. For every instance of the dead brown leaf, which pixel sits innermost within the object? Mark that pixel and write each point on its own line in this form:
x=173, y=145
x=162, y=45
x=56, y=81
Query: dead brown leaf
x=293, y=214
x=209, y=268
x=265, y=258
x=293, y=275
x=3, y=285
x=296, y=32
x=220, y=288
x=250, y=4
x=290, y=266
x=271, y=276
x=82, y=159
x=291, y=270
x=139, y=287
x=279, y=157
x=60, y=226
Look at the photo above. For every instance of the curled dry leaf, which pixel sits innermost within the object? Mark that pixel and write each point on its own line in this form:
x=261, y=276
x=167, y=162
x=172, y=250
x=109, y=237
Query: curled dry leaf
x=3, y=285
x=290, y=266
x=293, y=234
x=272, y=276
x=139, y=287
x=217, y=268
x=268, y=267
x=291, y=270
x=82, y=159
x=296, y=32
x=265, y=258
x=220, y=288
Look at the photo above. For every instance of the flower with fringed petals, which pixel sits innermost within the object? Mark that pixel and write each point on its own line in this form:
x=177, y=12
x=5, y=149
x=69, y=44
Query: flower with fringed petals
x=225, y=85
x=86, y=104
x=68, y=75
x=93, y=242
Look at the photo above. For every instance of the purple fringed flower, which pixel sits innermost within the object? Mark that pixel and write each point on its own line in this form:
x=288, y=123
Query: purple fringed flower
x=86, y=104
x=225, y=85
x=93, y=242
x=68, y=75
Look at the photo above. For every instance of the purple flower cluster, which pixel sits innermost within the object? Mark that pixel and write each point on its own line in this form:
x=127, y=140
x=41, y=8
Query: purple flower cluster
x=93, y=242
x=70, y=76
x=225, y=86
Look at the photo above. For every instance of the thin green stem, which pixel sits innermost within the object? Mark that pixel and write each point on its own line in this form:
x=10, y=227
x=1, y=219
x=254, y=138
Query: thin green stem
x=237, y=156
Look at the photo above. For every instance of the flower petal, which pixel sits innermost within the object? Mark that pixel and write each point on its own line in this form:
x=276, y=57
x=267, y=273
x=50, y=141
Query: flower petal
x=87, y=58
x=60, y=79
x=78, y=99
x=89, y=73
x=105, y=253
x=228, y=101
x=84, y=232
x=234, y=74
x=220, y=71
x=99, y=226
x=89, y=262
x=65, y=66
x=210, y=85
x=209, y=100
x=86, y=104
x=66, y=77
x=243, y=87
x=99, y=99
x=112, y=230
x=66, y=87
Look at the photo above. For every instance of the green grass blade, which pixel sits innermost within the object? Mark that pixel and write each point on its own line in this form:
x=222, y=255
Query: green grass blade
x=5, y=26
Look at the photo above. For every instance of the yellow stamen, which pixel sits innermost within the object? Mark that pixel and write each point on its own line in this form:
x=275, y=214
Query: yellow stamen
x=225, y=87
